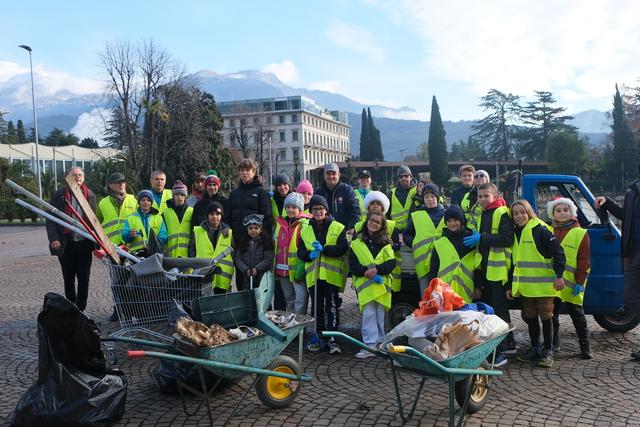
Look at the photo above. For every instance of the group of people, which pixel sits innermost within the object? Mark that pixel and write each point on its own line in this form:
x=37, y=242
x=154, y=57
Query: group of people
x=313, y=239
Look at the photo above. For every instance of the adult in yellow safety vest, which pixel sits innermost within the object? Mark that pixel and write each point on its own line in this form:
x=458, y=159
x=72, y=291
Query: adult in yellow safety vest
x=211, y=239
x=177, y=218
x=451, y=260
x=161, y=195
x=364, y=187
x=538, y=265
x=114, y=209
x=377, y=202
x=469, y=203
x=402, y=198
x=575, y=243
x=135, y=232
x=493, y=238
x=371, y=262
x=424, y=226
x=321, y=246
x=282, y=188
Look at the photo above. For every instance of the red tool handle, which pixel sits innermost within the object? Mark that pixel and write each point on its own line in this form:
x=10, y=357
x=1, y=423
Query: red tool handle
x=132, y=354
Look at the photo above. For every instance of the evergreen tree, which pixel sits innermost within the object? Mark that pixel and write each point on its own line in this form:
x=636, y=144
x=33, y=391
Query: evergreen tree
x=89, y=143
x=3, y=128
x=11, y=136
x=625, y=151
x=466, y=151
x=438, y=155
x=22, y=136
x=543, y=120
x=365, y=139
x=566, y=152
x=376, y=142
x=498, y=130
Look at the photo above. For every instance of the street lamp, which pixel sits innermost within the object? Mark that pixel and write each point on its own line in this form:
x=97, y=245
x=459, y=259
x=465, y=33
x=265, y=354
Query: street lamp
x=35, y=120
x=269, y=133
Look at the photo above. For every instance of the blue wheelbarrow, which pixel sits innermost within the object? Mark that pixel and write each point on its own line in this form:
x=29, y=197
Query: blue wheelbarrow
x=278, y=378
x=467, y=374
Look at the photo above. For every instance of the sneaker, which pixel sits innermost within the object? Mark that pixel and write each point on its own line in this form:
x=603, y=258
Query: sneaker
x=531, y=356
x=546, y=359
x=363, y=354
x=501, y=360
x=510, y=348
x=334, y=348
x=585, y=350
x=314, y=345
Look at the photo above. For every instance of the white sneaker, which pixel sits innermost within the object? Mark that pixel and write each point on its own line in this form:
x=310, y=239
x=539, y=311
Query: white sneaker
x=363, y=354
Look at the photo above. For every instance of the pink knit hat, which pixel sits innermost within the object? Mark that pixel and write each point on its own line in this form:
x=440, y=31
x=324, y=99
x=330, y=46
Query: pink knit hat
x=304, y=186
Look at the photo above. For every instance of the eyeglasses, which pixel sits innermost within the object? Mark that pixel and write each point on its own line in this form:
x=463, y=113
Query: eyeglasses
x=321, y=209
x=375, y=221
x=405, y=176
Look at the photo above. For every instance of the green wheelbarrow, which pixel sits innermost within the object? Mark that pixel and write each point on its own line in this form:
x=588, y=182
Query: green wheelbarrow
x=278, y=378
x=467, y=374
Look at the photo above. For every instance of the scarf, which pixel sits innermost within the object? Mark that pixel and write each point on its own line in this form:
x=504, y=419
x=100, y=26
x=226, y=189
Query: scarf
x=496, y=203
x=568, y=224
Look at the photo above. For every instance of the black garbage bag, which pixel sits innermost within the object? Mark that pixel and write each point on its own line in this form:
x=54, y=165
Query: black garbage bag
x=74, y=386
x=167, y=374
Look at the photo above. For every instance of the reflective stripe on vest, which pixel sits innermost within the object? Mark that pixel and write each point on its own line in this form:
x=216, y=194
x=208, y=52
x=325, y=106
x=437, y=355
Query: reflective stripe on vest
x=330, y=269
x=367, y=289
x=135, y=223
x=499, y=260
x=571, y=244
x=426, y=234
x=400, y=212
x=112, y=221
x=472, y=213
x=178, y=232
x=455, y=271
x=166, y=196
x=205, y=249
x=533, y=274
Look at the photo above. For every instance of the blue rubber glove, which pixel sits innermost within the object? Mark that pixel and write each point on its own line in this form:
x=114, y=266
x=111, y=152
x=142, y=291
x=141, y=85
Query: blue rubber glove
x=378, y=279
x=317, y=246
x=270, y=193
x=578, y=289
x=314, y=254
x=473, y=240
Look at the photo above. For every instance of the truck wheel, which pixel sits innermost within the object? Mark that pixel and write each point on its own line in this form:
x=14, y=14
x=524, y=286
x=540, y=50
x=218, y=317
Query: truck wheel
x=480, y=391
x=398, y=312
x=276, y=392
x=623, y=320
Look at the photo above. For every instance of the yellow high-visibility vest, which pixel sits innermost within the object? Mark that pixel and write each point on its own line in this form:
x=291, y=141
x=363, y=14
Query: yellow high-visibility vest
x=135, y=223
x=458, y=273
x=367, y=289
x=292, y=250
x=178, y=232
x=472, y=213
x=329, y=269
x=205, y=249
x=426, y=233
x=166, y=196
x=397, y=270
x=570, y=244
x=112, y=220
x=399, y=211
x=499, y=259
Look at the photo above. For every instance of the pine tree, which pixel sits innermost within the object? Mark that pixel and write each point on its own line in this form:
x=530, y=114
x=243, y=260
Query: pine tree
x=3, y=129
x=624, y=148
x=22, y=136
x=10, y=137
x=438, y=155
x=371, y=150
x=498, y=129
x=365, y=137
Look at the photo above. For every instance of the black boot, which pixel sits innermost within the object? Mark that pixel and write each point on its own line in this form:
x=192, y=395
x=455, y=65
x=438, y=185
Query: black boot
x=585, y=350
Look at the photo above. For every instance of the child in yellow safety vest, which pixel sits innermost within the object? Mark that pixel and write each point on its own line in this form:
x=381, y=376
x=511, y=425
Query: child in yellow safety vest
x=254, y=253
x=371, y=262
x=177, y=217
x=135, y=232
x=538, y=265
x=451, y=260
x=321, y=246
x=211, y=239
x=291, y=291
x=575, y=243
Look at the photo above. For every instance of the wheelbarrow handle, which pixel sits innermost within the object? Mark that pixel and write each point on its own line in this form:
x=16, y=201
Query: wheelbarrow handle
x=136, y=341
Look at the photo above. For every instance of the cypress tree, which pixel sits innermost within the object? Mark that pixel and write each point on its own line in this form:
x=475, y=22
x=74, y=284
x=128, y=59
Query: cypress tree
x=365, y=138
x=624, y=148
x=438, y=156
x=22, y=136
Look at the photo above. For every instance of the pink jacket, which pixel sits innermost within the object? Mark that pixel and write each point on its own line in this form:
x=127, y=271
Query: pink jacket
x=283, y=240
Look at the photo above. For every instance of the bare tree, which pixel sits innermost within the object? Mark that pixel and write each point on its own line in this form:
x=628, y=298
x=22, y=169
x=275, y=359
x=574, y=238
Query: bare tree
x=251, y=129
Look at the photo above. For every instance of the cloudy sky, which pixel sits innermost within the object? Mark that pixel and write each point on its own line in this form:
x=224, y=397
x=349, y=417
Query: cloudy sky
x=395, y=53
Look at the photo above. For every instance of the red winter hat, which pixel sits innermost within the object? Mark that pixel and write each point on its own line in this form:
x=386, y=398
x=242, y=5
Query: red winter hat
x=211, y=179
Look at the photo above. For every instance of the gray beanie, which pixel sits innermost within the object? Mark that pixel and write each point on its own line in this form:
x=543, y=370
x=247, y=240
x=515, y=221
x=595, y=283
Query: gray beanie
x=294, y=199
x=403, y=170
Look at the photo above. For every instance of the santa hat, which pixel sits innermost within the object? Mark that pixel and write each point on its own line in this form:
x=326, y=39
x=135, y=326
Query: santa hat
x=561, y=201
x=378, y=197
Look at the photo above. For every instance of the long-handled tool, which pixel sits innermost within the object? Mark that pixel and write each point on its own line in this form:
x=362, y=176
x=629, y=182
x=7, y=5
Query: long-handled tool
x=88, y=228
x=315, y=338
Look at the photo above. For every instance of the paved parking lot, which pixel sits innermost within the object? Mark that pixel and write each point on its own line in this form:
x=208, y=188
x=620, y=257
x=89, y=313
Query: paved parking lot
x=345, y=391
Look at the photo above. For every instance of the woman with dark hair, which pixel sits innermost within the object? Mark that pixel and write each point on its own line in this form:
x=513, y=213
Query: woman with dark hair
x=371, y=261
x=249, y=197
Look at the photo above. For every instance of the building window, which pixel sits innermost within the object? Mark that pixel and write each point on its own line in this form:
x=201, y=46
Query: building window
x=283, y=155
x=256, y=120
x=296, y=154
x=295, y=135
x=294, y=118
x=268, y=119
x=282, y=136
x=232, y=123
x=280, y=119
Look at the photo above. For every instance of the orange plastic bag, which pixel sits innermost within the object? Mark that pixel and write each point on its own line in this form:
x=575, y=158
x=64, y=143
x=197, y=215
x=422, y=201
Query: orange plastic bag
x=438, y=297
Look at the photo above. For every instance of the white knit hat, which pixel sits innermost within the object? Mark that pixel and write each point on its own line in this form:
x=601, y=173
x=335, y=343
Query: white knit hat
x=379, y=197
x=561, y=201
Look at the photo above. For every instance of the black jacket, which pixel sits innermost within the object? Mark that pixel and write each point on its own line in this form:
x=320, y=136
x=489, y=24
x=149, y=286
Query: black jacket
x=341, y=247
x=435, y=214
x=547, y=246
x=358, y=269
x=258, y=254
x=211, y=233
x=57, y=232
x=248, y=199
x=626, y=214
x=202, y=206
x=343, y=203
x=458, y=194
x=502, y=239
x=456, y=240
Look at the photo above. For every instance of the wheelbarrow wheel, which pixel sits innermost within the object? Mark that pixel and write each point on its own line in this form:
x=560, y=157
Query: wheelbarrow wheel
x=276, y=392
x=478, y=396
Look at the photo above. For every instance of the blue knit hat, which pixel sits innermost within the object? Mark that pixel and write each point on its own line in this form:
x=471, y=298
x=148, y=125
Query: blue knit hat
x=145, y=193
